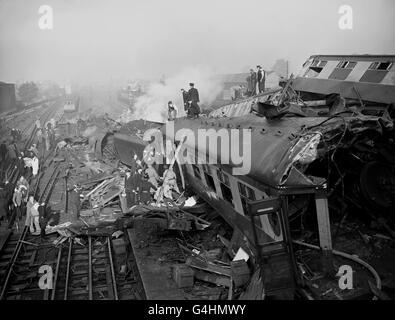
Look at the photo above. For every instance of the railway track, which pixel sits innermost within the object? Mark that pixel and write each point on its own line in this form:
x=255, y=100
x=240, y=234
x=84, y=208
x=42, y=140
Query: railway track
x=84, y=267
x=86, y=272
x=31, y=131
x=25, y=248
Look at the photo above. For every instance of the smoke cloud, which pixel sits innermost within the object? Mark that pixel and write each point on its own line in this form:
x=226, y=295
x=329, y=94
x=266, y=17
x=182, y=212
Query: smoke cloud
x=152, y=105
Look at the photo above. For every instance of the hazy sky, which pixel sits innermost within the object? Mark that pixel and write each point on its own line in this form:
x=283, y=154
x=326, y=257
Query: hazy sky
x=99, y=39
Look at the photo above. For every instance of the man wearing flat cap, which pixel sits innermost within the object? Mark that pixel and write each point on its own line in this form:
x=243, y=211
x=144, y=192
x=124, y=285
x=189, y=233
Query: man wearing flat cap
x=193, y=99
x=251, y=83
x=185, y=99
x=261, y=78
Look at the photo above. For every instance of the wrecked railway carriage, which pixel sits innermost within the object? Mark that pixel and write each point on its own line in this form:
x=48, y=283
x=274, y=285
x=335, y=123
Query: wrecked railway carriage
x=323, y=143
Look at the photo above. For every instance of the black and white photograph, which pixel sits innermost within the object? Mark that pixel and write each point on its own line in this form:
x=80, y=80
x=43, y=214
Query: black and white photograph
x=191, y=156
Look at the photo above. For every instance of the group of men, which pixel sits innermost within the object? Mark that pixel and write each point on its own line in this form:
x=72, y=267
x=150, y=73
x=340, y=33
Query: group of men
x=25, y=162
x=18, y=199
x=15, y=200
x=143, y=184
x=45, y=136
x=256, y=81
x=191, y=104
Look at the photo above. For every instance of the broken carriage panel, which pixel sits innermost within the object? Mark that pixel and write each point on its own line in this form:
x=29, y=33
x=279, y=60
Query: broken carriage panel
x=291, y=154
x=371, y=77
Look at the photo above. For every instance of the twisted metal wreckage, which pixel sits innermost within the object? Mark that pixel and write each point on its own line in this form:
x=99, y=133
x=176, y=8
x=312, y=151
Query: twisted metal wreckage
x=327, y=134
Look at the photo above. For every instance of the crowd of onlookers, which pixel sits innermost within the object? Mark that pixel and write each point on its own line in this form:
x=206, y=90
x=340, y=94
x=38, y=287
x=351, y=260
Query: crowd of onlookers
x=18, y=200
x=255, y=85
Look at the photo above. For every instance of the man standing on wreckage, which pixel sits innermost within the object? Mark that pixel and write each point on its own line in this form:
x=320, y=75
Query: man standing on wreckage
x=193, y=99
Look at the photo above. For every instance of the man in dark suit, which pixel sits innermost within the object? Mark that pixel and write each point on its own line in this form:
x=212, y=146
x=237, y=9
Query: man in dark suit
x=185, y=99
x=193, y=99
x=261, y=78
x=251, y=83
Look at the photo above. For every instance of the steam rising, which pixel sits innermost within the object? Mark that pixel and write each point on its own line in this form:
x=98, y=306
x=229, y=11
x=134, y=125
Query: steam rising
x=152, y=105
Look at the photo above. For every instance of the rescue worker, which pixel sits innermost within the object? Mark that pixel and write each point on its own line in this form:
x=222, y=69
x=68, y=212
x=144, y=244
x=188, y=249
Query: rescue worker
x=14, y=135
x=137, y=184
x=29, y=205
x=35, y=164
x=40, y=142
x=153, y=176
x=53, y=123
x=12, y=151
x=21, y=164
x=3, y=152
x=34, y=149
x=42, y=219
x=9, y=188
x=38, y=123
x=3, y=203
x=193, y=99
x=261, y=78
x=251, y=83
x=74, y=202
x=169, y=182
x=130, y=198
x=185, y=99
x=47, y=139
x=17, y=200
x=172, y=111
x=31, y=162
x=34, y=217
x=19, y=134
x=61, y=145
x=51, y=134
x=22, y=182
x=145, y=190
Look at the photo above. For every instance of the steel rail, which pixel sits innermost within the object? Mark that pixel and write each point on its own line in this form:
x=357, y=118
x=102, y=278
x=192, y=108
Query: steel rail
x=90, y=269
x=23, y=235
x=12, y=262
x=22, y=239
x=114, y=281
x=66, y=286
x=56, y=273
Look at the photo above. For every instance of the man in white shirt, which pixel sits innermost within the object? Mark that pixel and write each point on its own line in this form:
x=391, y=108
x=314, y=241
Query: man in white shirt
x=34, y=164
x=172, y=111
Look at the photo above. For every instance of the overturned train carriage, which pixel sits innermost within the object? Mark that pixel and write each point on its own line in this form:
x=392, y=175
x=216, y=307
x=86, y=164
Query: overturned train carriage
x=280, y=156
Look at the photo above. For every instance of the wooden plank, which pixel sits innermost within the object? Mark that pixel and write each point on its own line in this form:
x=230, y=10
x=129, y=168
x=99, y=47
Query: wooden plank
x=324, y=227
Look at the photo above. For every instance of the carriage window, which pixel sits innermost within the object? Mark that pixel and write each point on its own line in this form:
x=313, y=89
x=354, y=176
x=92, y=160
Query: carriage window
x=315, y=68
x=342, y=70
x=322, y=64
x=383, y=66
x=246, y=193
x=227, y=193
x=376, y=72
x=223, y=177
x=346, y=64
